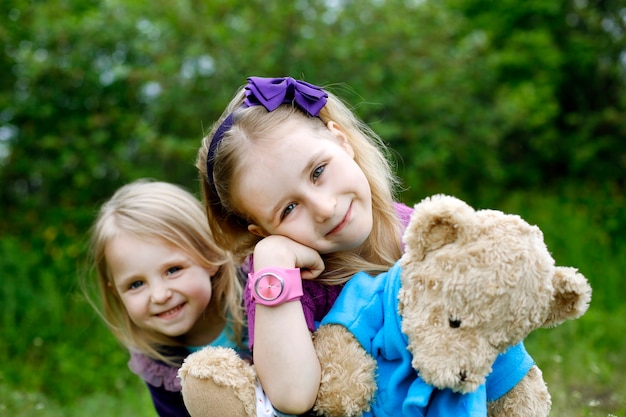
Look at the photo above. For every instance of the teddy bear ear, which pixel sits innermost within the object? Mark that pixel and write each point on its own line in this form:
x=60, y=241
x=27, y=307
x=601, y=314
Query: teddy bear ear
x=436, y=221
x=572, y=295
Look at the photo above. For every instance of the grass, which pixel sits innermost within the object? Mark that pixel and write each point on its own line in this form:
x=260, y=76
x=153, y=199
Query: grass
x=134, y=402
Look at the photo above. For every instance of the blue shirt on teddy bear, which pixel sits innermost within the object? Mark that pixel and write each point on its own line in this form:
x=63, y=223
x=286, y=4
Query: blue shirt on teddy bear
x=367, y=307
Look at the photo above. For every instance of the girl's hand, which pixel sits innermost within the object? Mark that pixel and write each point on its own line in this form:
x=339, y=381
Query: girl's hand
x=280, y=251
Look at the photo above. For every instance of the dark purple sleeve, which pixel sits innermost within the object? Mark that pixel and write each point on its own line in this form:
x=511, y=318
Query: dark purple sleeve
x=167, y=403
x=249, y=305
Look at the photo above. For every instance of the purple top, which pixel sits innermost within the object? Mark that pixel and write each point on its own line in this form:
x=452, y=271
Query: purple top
x=162, y=382
x=155, y=373
x=317, y=298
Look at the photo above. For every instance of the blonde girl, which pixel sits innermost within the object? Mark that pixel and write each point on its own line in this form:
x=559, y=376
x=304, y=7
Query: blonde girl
x=164, y=287
x=293, y=177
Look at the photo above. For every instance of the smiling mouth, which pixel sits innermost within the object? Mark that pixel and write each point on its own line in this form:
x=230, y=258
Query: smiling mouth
x=341, y=225
x=171, y=312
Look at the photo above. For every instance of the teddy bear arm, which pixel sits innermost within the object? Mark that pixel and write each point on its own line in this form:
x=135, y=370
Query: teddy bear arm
x=529, y=398
x=348, y=381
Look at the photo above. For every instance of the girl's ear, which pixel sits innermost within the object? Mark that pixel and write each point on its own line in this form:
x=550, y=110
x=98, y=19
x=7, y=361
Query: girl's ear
x=336, y=130
x=256, y=230
x=212, y=270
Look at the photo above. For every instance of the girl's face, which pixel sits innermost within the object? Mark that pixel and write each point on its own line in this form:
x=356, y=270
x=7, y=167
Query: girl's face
x=162, y=288
x=304, y=184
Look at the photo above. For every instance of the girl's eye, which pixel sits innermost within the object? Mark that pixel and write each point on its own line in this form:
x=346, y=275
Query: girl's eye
x=173, y=270
x=317, y=172
x=290, y=207
x=135, y=285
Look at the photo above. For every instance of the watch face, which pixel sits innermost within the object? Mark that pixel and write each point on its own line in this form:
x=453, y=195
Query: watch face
x=269, y=286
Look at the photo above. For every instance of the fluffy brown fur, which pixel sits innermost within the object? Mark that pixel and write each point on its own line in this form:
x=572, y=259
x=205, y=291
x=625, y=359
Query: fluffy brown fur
x=218, y=383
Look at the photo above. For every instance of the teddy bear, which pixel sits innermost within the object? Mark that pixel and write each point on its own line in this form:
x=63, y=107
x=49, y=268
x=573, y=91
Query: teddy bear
x=427, y=337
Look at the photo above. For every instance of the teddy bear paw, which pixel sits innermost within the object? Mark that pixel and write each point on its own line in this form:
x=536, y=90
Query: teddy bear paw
x=217, y=382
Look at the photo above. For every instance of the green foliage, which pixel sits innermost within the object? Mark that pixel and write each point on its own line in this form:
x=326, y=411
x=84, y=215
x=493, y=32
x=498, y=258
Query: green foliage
x=513, y=105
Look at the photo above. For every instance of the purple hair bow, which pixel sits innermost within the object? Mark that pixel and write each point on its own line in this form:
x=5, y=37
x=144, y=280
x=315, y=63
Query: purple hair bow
x=270, y=93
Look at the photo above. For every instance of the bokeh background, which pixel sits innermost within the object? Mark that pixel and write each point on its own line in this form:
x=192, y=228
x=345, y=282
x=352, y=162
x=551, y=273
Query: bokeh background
x=513, y=105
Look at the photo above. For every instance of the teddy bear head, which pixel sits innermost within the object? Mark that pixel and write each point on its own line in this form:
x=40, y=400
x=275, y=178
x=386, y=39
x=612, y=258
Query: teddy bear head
x=475, y=282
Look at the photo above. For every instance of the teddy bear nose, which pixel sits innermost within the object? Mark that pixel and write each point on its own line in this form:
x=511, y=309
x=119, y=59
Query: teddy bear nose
x=462, y=376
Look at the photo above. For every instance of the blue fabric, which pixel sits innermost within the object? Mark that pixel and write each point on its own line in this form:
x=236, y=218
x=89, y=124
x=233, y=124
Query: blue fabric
x=225, y=339
x=508, y=369
x=368, y=307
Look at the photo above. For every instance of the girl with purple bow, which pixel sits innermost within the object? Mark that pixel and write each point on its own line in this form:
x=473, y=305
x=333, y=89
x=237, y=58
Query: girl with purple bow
x=164, y=288
x=291, y=176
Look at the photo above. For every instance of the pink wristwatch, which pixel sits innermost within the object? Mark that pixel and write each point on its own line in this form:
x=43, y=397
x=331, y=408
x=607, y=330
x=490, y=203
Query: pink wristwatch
x=273, y=286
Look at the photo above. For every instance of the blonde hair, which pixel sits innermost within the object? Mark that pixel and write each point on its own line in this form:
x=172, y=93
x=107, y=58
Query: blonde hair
x=383, y=246
x=152, y=210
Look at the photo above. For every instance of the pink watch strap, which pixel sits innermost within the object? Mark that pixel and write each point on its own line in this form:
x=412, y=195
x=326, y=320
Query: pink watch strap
x=291, y=288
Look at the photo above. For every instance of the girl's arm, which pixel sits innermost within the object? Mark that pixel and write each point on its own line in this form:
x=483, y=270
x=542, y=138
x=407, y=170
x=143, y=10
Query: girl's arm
x=284, y=356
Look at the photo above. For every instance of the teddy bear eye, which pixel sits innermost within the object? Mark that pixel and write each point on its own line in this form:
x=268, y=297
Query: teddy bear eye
x=455, y=323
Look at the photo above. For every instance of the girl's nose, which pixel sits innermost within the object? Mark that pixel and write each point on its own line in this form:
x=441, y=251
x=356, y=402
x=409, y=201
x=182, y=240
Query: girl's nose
x=160, y=293
x=323, y=207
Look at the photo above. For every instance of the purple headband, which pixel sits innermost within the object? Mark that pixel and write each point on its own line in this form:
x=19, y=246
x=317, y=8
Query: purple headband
x=270, y=93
